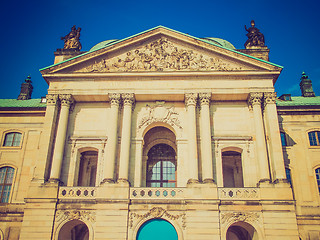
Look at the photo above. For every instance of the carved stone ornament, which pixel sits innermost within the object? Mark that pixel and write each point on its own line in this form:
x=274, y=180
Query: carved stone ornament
x=128, y=99
x=157, y=212
x=66, y=99
x=159, y=113
x=204, y=98
x=255, y=98
x=239, y=216
x=270, y=97
x=114, y=98
x=191, y=99
x=160, y=55
x=83, y=215
x=52, y=99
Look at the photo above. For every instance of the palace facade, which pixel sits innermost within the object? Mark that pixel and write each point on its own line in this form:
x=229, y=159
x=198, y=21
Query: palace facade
x=162, y=131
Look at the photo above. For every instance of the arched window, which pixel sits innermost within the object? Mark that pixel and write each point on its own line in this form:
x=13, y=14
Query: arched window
x=318, y=178
x=157, y=229
x=314, y=138
x=161, y=168
x=241, y=231
x=12, y=139
x=88, y=169
x=74, y=230
x=6, y=179
x=283, y=139
x=232, y=169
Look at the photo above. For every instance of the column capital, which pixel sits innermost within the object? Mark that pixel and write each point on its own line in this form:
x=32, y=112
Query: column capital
x=204, y=98
x=255, y=98
x=128, y=98
x=52, y=99
x=114, y=99
x=66, y=99
x=191, y=99
x=269, y=98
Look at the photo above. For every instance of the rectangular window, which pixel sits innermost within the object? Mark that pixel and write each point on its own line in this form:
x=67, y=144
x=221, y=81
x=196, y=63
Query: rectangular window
x=283, y=139
x=314, y=138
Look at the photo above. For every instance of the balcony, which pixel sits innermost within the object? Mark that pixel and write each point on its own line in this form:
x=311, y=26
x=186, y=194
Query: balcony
x=145, y=193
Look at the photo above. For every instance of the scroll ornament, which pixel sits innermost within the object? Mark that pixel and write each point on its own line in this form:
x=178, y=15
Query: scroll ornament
x=157, y=212
x=160, y=55
x=159, y=113
x=62, y=215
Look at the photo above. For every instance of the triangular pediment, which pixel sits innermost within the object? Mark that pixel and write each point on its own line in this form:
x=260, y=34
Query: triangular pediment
x=161, y=50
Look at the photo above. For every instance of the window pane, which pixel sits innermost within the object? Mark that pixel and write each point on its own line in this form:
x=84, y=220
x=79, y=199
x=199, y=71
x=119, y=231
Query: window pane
x=288, y=174
x=16, y=139
x=312, y=138
x=2, y=175
x=318, y=178
x=283, y=139
x=10, y=173
x=8, y=140
x=6, y=194
x=6, y=178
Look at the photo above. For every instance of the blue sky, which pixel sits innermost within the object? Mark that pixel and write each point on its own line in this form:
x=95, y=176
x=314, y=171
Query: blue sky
x=31, y=32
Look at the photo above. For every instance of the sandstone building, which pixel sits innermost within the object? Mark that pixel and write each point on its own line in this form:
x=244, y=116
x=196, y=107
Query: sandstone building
x=161, y=130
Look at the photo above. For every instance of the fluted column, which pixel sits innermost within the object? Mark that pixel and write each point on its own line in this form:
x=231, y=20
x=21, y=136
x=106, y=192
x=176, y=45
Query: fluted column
x=273, y=133
x=111, y=146
x=128, y=100
x=205, y=135
x=191, y=102
x=66, y=100
x=261, y=150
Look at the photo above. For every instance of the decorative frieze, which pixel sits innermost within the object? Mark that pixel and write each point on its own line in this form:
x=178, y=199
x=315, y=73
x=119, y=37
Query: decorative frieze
x=161, y=55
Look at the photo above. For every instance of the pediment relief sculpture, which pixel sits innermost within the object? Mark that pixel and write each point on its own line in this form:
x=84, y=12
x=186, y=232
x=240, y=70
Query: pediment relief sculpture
x=161, y=55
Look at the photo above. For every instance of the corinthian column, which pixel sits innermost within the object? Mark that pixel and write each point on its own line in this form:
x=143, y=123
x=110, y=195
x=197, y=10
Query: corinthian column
x=191, y=102
x=111, y=147
x=205, y=135
x=66, y=100
x=273, y=133
x=261, y=150
x=128, y=100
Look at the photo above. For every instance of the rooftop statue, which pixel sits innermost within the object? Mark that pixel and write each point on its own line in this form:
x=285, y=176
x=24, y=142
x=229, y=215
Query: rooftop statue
x=255, y=37
x=72, y=39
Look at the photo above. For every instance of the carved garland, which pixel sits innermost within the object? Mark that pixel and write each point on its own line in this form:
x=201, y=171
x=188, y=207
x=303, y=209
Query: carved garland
x=157, y=212
x=239, y=216
x=160, y=113
x=83, y=215
x=160, y=55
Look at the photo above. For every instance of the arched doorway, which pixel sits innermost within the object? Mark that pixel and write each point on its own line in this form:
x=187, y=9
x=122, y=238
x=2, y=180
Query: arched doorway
x=74, y=230
x=232, y=169
x=157, y=229
x=241, y=231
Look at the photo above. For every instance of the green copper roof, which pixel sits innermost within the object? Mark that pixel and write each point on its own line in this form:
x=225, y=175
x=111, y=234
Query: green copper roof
x=212, y=41
x=220, y=41
x=14, y=103
x=299, y=101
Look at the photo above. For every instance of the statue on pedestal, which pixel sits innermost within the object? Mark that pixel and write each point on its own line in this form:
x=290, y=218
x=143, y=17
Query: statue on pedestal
x=72, y=39
x=255, y=37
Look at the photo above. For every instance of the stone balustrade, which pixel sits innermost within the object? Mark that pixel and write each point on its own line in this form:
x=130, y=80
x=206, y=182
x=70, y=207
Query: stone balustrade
x=156, y=193
x=239, y=193
x=77, y=192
